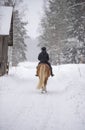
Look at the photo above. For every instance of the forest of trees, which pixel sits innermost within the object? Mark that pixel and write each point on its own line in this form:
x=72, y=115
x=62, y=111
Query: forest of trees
x=63, y=30
x=18, y=53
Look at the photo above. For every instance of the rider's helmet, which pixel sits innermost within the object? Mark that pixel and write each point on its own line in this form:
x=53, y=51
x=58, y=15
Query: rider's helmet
x=43, y=48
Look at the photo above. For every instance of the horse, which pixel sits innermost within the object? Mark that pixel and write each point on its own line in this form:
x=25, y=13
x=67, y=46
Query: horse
x=43, y=74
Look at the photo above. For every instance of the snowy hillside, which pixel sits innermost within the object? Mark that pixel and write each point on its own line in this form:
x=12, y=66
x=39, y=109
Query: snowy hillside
x=23, y=107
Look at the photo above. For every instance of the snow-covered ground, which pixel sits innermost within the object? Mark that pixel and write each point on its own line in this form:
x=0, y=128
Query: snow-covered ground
x=23, y=107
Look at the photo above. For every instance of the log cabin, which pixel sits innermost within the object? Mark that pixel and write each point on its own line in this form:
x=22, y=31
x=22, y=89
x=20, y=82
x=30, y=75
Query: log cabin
x=6, y=37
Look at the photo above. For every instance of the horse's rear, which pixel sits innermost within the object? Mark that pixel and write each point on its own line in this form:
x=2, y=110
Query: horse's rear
x=43, y=73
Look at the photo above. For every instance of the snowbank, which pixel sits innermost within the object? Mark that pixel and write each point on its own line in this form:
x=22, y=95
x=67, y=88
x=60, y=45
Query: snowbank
x=23, y=107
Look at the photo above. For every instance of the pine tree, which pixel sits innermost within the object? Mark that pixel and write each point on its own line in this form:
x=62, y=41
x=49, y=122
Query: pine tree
x=19, y=33
x=77, y=31
x=54, y=25
x=63, y=30
x=77, y=13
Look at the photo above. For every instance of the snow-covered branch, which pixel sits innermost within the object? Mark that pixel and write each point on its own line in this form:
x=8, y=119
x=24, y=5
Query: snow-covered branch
x=75, y=5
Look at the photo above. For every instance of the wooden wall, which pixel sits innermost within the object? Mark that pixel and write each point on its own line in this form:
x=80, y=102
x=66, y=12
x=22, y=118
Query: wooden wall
x=3, y=55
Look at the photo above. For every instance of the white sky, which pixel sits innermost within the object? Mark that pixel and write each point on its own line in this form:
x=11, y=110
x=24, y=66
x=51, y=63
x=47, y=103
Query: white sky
x=34, y=12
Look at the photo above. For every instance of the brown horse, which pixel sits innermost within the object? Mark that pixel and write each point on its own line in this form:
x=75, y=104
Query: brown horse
x=43, y=73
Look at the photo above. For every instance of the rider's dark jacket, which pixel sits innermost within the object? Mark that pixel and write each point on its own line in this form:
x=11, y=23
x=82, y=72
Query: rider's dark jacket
x=43, y=57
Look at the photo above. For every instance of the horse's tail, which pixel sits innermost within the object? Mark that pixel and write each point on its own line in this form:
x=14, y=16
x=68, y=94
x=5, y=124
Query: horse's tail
x=41, y=77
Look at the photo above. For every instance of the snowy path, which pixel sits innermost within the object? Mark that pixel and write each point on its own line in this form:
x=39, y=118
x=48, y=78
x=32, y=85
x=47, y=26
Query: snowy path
x=23, y=107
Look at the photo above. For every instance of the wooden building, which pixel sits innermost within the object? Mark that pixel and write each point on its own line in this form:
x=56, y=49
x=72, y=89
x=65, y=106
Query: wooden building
x=6, y=37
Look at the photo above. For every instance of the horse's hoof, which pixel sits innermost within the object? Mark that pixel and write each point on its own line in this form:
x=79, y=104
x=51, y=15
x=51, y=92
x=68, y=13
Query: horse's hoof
x=45, y=91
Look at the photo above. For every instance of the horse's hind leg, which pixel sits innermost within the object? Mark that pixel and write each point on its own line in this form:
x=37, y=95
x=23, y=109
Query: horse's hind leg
x=44, y=89
x=45, y=85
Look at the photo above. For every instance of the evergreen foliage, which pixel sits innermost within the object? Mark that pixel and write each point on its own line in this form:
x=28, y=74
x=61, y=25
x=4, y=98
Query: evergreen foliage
x=63, y=30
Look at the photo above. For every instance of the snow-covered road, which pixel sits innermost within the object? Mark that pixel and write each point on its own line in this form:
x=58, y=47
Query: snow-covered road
x=23, y=107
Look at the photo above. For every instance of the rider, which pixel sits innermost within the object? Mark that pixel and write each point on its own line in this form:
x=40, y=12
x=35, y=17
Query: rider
x=43, y=57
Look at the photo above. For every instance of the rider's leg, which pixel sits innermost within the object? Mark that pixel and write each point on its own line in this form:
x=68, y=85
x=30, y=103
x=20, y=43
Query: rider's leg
x=50, y=69
x=36, y=71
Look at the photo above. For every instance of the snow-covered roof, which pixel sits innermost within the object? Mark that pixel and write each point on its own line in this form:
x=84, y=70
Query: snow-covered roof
x=5, y=20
